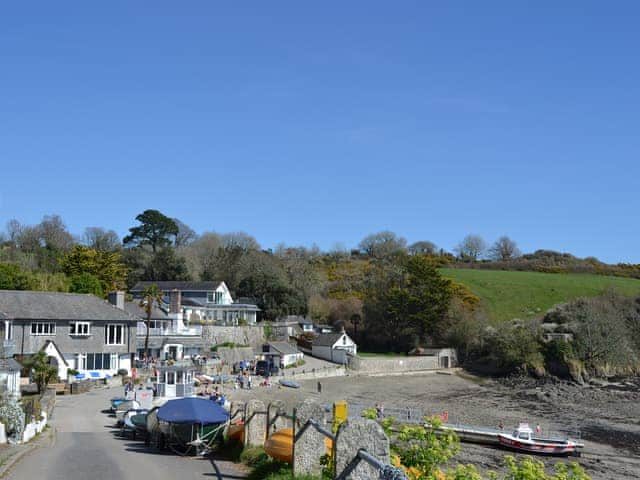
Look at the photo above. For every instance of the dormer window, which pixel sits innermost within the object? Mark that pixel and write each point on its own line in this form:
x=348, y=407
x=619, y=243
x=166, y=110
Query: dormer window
x=80, y=329
x=215, y=297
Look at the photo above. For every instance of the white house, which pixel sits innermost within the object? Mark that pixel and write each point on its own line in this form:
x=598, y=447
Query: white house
x=283, y=353
x=334, y=347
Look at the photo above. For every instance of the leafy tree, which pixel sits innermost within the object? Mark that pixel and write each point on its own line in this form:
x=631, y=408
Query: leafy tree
x=504, y=249
x=98, y=238
x=472, y=247
x=150, y=296
x=412, y=305
x=106, y=266
x=382, y=244
x=42, y=373
x=86, y=283
x=274, y=297
x=12, y=278
x=155, y=229
x=423, y=247
x=166, y=265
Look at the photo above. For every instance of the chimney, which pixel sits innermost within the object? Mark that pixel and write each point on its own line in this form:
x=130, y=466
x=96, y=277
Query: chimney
x=117, y=299
x=175, y=301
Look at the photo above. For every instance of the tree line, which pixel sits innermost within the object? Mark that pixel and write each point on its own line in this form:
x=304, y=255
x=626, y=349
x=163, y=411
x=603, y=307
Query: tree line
x=386, y=292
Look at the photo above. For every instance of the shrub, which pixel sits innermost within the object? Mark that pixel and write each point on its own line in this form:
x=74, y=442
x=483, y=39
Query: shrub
x=123, y=372
x=12, y=416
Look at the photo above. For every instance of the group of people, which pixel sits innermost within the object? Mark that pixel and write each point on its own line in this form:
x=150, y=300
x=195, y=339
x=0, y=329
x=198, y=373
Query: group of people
x=243, y=380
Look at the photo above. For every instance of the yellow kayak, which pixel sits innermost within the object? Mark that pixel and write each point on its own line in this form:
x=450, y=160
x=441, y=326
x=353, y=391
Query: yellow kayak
x=280, y=445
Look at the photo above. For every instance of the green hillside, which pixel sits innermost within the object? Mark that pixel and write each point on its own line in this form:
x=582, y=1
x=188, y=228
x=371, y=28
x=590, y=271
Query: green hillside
x=506, y=295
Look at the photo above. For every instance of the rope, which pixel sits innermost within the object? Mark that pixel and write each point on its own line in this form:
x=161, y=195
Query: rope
x=389, y=472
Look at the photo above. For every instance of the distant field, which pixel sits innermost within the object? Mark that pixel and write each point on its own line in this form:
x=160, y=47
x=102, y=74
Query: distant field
x=506, y=295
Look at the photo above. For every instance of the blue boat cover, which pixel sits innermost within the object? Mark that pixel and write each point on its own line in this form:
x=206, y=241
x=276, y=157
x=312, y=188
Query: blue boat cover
x=192, y=410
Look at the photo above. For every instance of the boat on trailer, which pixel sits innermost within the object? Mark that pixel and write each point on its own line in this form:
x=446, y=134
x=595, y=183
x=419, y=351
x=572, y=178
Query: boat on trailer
x=522, y=439
x=187, y=424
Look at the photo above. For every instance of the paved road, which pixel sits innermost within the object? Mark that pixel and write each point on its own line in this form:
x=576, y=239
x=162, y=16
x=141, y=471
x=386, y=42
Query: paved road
x=85, y=446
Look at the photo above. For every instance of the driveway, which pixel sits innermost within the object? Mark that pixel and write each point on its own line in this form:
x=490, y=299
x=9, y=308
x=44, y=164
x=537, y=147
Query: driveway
x=86, y=446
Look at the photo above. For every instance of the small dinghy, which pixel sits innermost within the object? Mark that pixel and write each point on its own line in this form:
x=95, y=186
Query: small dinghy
x=127, y=422
x=523, y=440
x=289, y=383
x=123, y=408
x=116, y=401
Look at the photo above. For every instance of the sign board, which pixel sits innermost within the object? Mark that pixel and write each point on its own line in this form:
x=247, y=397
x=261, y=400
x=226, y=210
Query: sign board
x=144, y=397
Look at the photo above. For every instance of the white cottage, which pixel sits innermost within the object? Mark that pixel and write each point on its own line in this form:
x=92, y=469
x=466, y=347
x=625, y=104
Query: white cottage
x=335, y=347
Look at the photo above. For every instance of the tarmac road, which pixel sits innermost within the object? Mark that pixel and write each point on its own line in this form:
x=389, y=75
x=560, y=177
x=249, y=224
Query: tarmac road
x=86, y=447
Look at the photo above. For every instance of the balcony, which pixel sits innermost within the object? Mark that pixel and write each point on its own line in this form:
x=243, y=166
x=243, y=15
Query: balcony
x=192, y=331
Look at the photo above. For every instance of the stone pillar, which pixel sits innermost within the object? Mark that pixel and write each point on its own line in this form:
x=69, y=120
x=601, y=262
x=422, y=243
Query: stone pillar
x=357, y=434
x=275, y=421
x=236, y=411
x=255, y=423
x=306, y=410
x=310, y=444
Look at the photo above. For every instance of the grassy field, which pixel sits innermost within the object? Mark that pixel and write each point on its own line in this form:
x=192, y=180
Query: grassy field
x=506, y=295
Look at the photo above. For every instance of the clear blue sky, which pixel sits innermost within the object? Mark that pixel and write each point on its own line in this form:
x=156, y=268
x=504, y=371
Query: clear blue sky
x=321, y=122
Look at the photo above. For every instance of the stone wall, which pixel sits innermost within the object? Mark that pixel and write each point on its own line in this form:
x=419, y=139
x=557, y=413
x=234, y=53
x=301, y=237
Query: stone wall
x=393, y=364
x=241, y=335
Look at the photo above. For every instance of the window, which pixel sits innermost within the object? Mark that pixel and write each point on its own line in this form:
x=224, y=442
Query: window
x=97, y=361
x=43, y=328
x=82, y=361
x=80, y=329
x=215, y=297
x=114, y=335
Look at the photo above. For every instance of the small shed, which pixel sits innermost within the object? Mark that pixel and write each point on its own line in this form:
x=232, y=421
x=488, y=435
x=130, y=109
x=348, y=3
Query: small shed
x=335, y=347
x=175, y=381
x=283, y=353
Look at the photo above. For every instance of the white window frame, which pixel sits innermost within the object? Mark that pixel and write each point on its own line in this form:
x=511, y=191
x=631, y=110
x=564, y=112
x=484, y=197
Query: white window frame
x=82, y=361
x=114, y=340
x=50, y=329
x=82, y=329
x=211, y=297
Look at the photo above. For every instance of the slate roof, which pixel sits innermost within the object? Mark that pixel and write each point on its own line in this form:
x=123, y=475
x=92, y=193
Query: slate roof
x=15, y=304
x=182, y=286
x=284, y=347
x=9, y=365
x=327, y=339
x=134, y=308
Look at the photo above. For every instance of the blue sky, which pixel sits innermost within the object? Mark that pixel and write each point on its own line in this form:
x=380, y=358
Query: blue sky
x=317, y=123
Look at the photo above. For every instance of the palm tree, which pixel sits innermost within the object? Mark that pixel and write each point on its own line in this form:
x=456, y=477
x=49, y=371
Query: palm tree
x=150, y=295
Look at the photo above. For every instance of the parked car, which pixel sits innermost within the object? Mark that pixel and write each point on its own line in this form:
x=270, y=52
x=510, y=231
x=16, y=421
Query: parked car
x=264, y=368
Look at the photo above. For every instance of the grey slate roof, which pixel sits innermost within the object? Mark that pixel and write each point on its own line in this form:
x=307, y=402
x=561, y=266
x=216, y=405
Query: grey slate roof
x=182, y=286
x=327, y=339
x=284, y=347
x=134, y=308
x=9, y=365
x=15, y=304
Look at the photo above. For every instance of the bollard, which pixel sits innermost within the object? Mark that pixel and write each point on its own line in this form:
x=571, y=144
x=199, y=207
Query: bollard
x=340, y=414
